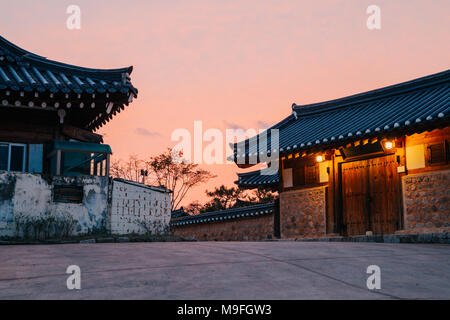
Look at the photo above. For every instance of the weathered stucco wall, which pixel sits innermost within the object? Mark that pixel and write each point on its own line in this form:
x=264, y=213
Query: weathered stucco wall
x=426, y=201
x=30, y=195
x=302, y=213
x=242, y=229
x=136, y=208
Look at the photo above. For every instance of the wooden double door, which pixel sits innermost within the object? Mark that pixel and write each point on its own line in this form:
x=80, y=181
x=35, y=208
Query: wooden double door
x=370, y=190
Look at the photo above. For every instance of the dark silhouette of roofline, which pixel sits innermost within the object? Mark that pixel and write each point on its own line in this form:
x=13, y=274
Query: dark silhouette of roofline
x=17, y=52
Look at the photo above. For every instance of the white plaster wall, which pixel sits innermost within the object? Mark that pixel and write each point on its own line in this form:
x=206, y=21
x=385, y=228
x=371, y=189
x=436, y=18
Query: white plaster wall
x=134, y=204
x=92, y=213
x=7, y=186
x=30, y=195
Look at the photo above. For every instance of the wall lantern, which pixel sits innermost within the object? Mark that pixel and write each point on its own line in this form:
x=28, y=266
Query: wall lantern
x=319, y=158
x=388, y=145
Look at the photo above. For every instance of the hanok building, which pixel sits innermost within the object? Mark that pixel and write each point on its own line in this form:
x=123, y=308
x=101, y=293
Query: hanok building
x=371, y=163
x=51, y=160
x=49, y=111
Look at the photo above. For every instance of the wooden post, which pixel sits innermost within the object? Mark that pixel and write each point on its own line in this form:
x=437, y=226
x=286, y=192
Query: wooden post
x=107, y=165
x=58, y=162
x=95, y=168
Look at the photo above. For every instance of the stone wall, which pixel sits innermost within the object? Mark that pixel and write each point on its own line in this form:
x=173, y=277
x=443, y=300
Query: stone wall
x=241, y=229
x=30, y=195
x=426, y=202
x=136, y=208
x=303, y=213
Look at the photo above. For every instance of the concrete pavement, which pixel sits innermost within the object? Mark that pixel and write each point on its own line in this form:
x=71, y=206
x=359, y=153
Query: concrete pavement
x=226, y=270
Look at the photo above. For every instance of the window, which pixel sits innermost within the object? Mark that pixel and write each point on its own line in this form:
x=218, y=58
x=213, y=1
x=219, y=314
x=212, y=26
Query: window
x=415, y=157
x=303, y=172
x=299, y=176
x=312, y=174
x=12, y=156
x=74, y=158
x=438, y=153
x=75, y=163
x=287, y=175
x=68, y=193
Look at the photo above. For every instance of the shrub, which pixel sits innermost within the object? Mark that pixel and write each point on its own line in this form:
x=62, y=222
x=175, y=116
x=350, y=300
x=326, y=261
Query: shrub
x=45, y=226
x=155, y=227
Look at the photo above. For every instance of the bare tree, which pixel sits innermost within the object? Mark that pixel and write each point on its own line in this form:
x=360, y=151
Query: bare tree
x=171, y=171
x=167, y=169
x=116, y=169
x=129, y=170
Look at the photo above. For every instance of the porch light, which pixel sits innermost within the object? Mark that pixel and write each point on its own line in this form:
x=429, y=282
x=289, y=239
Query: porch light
x=319, y=158
x=388, y=145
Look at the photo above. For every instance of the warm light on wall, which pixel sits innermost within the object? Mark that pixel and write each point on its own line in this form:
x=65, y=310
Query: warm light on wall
x=319, y=158
x=388, y=145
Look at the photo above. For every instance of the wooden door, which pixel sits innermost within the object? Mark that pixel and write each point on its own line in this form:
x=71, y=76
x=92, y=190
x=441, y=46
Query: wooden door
x=355, y=191
x=369, y=196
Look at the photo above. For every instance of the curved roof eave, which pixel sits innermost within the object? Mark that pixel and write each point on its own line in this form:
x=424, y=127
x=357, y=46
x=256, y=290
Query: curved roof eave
x=26, y=55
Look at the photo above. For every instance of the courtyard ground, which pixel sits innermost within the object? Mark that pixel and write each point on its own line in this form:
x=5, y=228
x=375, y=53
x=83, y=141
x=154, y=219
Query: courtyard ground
x=225, y=270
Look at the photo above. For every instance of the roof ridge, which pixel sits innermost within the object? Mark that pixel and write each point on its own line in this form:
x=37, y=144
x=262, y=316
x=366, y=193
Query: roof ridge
x=161, y=189
x=250, y=173
x=13, y=48
x=23, y=54
x=229, y=210
x=375, y=94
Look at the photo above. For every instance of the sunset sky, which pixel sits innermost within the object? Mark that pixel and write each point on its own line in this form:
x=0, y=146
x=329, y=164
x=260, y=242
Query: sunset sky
x=232, y=63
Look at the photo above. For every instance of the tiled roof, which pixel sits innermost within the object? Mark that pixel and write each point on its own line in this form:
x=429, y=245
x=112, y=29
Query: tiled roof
x=179, y=213
x=235, y=213
x=255, y=178
x=24, y=74
x=407, y=107
x=161, y=189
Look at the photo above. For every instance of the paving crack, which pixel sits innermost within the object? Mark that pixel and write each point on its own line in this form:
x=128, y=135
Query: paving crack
x=315, y=272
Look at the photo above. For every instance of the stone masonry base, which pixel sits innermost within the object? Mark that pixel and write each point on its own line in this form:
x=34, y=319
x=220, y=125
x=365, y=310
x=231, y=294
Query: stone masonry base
x=443, y=237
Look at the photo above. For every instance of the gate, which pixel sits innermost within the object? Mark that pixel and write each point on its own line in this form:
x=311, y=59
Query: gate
x=369, y=196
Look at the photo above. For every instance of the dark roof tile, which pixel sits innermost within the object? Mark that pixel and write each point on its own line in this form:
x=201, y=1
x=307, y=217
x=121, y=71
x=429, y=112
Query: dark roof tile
x=234, y=213
x=23, y=71
x=255, y=179
x=28, y=69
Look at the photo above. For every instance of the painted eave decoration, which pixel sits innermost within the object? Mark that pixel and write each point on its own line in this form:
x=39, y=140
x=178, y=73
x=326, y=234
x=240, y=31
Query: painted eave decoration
x=93, y=95
x=408, y=107
x=224, y=215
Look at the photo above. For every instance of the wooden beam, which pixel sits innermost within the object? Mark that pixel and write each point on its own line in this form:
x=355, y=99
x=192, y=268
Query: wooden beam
x=81, y=134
